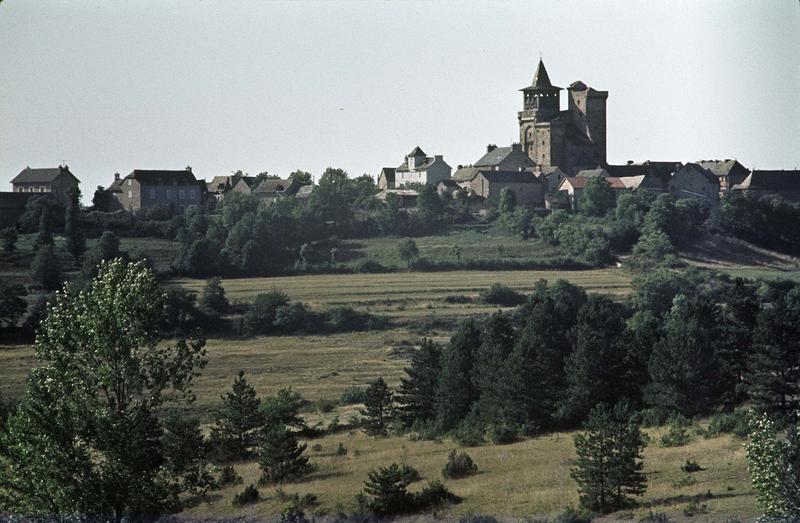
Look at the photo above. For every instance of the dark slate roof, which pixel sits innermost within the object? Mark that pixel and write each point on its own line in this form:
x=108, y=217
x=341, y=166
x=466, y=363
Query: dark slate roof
x=580, y=183
x=417, y=152
x=388, y=173
x=465, y=174
x=647, y=168
x=771, y=181
x=41, y=175
x=541, y=80
x=708, y=175
x=304, y=192
x=449, y=182
x=275, y=186
x=589, y=173
x=494, y=157
x=724, y=167
x=163, y=177
x=510, y=176
x=403, y=167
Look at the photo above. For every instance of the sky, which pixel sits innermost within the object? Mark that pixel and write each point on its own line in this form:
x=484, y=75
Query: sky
x=111, y=86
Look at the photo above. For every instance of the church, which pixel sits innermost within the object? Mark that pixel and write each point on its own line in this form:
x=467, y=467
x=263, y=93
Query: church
x=573, y=139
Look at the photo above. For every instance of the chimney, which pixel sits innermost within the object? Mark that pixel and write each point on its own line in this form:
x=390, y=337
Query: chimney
x=630, y=162
x=516, y=147
x=491, y=147
x=116, y=177
x=189, y=168
x=438, y=157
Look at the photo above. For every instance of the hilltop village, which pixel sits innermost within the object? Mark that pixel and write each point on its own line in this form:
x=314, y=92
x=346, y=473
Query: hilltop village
x=558, y=152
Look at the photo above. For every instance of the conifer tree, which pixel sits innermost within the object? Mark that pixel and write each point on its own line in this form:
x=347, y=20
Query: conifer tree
x=388, y=488
x=281, y=456
x=45, y=269
x=45, y=234
x=416, y=396
x=283, y=409
x=497, y=342
x=455, y=392
x=739, y=311
x=608, y=467
x=378, y=408
x=238, y=420
x=75, y=242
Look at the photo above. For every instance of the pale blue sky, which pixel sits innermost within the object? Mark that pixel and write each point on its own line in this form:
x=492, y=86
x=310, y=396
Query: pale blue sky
x=223, y=85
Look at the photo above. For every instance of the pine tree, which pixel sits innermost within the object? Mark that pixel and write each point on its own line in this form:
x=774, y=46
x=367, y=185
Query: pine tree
x=774, y=365
x=238, y=420
x=75, y=242
x=417, y=392
x=106, y=248
x=684, y=366
x=388, y=487
x=45, y=235
x=455, y=392
x=283, y=409
x=45, y=269
x=595, y=369
x=739, y=314
x=497, y=342
x=378, y=411
x=281, y=456
x=608, y=467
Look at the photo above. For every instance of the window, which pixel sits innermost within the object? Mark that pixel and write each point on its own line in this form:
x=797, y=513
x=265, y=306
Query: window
x=182, y=194
x=130, y=182
x=42, y=188
x=152, y=193
x=130, y=194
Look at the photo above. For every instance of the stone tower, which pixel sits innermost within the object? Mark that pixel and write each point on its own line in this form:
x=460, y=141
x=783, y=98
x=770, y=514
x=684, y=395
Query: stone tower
x=587, y=109
x=541, y=132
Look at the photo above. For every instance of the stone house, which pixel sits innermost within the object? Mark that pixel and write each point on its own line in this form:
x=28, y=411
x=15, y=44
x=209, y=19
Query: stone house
x=504, y=159
x=219, y=185
x=785, y=184
x=488, y=185
x=729, y=172
x=53, y=180
x=142, y=189
x=694, y=181
x=573, y=186
x=417, y=168
x=407, y=197
x=271, y=190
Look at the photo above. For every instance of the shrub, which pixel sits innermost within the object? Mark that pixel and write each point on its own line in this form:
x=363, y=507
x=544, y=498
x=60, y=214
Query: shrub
x=499, y=294
x=469, y=435
x=246, y=497
x=352, y=395
x=433, y=495
x=694, y=508
x=370, y=267
x=570, y=515
x=457, y=298
x=691, y=466
x=502, y=434
x=260, y=315
x=348, y=319
x=228, y=476
x=655, y=517
x=478, y=518
x=341, y=450
x=728, y=423
x=459, y=465
x=326, y=405
x=677, y=435
x=685, y=481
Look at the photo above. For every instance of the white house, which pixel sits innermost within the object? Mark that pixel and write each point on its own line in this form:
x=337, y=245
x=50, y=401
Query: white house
x=417, y=168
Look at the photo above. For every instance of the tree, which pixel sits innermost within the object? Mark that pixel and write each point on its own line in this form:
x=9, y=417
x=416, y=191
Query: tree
x=45, y=234
x=45, y=269
x=260, y=315
x=9, y=237
x=407, y=250
x=302, y=177
x=12, y=303
x=417, y=392
x=281, y=456
x=774, y=466
x=684, y=366
x=75, y=241
x=106, y=248
x=213, y=301
x=508, y=202
x=283, y=409
x=378, y=407
x=101, y=200
x=597, y=197
x=497, y=342
x=388, y=487
x=654, y=249
x=85, y=438
x=608, y=467
x=237, y=420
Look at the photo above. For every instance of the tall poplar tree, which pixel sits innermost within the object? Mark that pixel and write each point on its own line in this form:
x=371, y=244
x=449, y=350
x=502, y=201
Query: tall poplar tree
x=75, y=241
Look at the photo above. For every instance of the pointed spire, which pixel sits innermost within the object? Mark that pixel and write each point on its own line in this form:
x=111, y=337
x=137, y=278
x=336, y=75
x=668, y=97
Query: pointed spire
x=541, y=78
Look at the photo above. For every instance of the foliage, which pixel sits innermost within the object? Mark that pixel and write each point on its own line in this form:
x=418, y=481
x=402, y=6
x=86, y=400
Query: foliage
x=691, y=466
x=677, y=434
x=608, y=468
x=237, y=421
x=281, y=456
x=106, y=248
x=766, y=220
x=32, y=216
x=44, y=235
x=499, y=294
x=774, y=467
x=213, y=301
x=597, y=197
x=459, y=465
x=735, y=423
x=653, y=250
x=455, y=391
x=12, y=303
x=407, y=250
x=261, y=314
x=378, y=408
x=352, y=395
x=45, y=268
x=9, y=237
x=387, y=488
x=75, y=240
x=248, y=496
x=85, y=438
x=283, y=409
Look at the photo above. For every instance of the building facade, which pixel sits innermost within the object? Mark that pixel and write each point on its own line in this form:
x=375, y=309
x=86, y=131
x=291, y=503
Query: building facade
x=417, y=168
x=143, y=189
x=54, y=180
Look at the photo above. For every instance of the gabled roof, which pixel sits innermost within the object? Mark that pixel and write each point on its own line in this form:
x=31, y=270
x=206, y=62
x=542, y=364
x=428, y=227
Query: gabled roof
x=509, y=176
x=304, y=192
x=465, y=174
x=417, y=152
x=388, y=173
x=403, y=167
x=771, y=181
x=449, y=182
x=724, y=167
x=273, y=186
x=163, y=177
x=494, y=157
x=580, y=183
x=42, y=175
x=551, y=170
x=660, y=169
x=708, y=175
x=590, y=173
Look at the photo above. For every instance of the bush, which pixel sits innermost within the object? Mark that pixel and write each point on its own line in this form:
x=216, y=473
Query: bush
x=570, y=515
x=326, y=405
x=228, y=476
x=728, y=423
x=685, y=481
x=469, y=435
x=246, y=497
x=352, y=395
x=655, y=517
x=459, y=465
x=502, y=434
x=342, y=319
x=499, y=294
x=370, y=267
x=478, y=518
x=260, y=315
x=341, y=450
x=433, y=495
x=457, y=298
x=691, y=466
x=695, y=508
x=677, y=435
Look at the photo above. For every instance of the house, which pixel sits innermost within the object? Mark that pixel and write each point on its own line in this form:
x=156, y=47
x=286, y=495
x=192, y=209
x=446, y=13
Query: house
x=729, y=172
x=142, y=189
x=449, y=187
x=657, y=174
x=573, y=186
x=694, y=181
x=551, y=178
x=504, y=159
x=386, y=178
x=53, y=180
x=785, y=184
x=527, y=187
x=417, y=168
x=12, y=206
x=407, y=197
x=304, y=193
x=219, y=185
x=270, y=190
